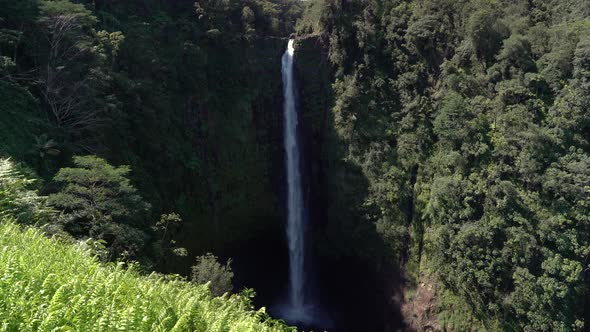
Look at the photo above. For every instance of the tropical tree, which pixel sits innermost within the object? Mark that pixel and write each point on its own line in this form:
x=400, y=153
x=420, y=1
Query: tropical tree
x=97, y=200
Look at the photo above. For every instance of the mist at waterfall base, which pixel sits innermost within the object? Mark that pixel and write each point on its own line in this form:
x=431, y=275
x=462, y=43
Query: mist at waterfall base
x=299, y=306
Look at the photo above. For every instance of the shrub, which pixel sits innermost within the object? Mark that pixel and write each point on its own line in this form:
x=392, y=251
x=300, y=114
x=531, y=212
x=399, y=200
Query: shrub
x=208, y=269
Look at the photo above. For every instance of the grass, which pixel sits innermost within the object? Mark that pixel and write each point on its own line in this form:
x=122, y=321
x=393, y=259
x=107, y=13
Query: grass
x=48, y=285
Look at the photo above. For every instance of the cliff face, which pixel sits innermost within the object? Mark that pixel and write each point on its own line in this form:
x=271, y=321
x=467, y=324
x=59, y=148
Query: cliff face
x=236, y=135
x=186, y=93
x=313, y=75
x=237, y=191
x=348, y=251
x=336, y=184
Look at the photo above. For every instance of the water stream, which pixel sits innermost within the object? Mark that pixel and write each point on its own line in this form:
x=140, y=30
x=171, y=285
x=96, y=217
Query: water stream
x=297, y=309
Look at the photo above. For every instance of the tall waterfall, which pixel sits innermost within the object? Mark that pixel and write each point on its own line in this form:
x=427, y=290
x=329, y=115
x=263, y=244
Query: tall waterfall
x=296, y=308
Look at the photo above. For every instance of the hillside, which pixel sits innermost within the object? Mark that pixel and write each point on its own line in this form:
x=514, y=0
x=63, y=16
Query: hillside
x=48, y=285
x=450, y=143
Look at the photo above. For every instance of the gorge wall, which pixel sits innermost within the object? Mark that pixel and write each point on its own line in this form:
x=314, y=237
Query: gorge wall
x=453, y=135
x=350, y=256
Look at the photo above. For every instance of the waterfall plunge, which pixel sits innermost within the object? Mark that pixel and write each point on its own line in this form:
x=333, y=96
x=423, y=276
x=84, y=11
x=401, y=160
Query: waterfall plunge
x=297, y=309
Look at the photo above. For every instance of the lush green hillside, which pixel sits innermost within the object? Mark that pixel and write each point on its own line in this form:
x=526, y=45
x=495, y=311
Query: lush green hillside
x=181, y=96
x=48, y=285
x=452, y=142
x=184, y=92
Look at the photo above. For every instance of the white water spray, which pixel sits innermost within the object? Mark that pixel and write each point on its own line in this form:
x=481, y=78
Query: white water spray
x=297, y=309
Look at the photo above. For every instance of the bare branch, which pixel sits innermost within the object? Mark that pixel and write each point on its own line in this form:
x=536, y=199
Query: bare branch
x=63, y=90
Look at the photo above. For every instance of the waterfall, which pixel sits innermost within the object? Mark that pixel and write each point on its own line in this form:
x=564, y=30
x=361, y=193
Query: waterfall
x=297, y=305
x=301, y=306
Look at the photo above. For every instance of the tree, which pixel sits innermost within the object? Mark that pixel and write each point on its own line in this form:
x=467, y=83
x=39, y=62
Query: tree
x=451, y=120
x=485, y=33
x=97, y=200
x=16, y=13
x=516, y=55
x=248, y=19
x=15, y=18
x=569, y=114
x=75, y=70
x=166, y=244
x=428, y=36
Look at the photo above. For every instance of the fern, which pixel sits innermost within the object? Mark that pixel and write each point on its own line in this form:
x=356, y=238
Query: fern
x=17, y=199
x=47, y=285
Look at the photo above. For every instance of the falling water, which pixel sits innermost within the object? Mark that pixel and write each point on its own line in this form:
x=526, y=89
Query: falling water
x=296, y=308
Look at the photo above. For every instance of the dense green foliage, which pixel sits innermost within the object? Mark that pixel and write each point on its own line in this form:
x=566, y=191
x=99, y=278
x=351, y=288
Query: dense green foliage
x=98, y=201
x=19, y=107
x=178, y=90
x=460, y=137
x=47, y=285
x=448, y=139
x=56, y=284
x=18, y=198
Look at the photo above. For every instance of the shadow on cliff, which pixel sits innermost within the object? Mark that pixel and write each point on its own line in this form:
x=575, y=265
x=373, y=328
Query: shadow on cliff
x=358, y=283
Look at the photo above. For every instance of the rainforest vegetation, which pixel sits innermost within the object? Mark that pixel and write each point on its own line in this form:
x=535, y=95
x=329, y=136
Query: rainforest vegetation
x=446, y=163
x=461, y=135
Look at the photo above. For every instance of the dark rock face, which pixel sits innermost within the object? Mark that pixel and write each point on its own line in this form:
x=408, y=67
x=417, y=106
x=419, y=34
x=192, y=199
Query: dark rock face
x=235, y=125
x=313, y=74
x=358, y=294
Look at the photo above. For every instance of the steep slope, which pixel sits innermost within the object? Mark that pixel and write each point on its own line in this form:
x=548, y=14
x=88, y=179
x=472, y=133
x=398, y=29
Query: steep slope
x=47, y=285
x=187, y=93
x=454, y=145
